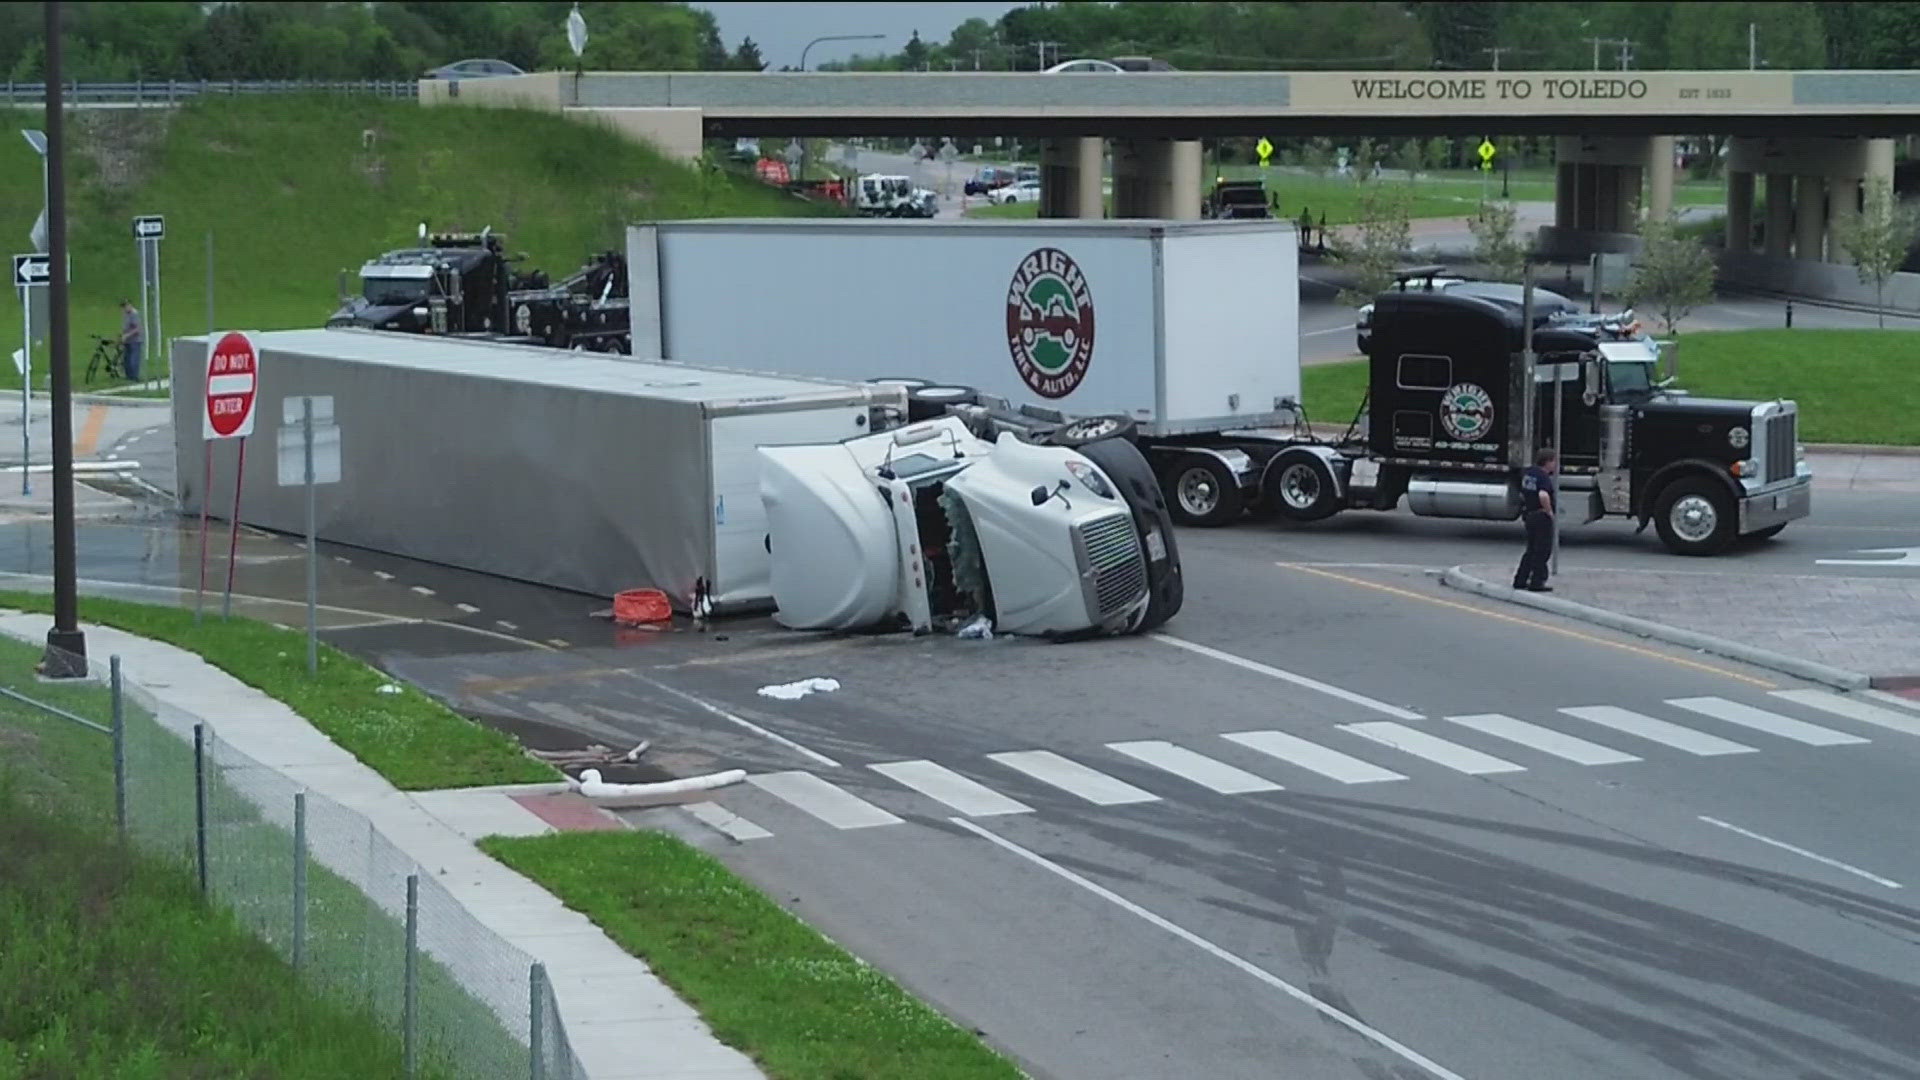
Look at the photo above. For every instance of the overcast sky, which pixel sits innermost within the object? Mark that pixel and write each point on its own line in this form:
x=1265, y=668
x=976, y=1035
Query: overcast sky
x=782, y=30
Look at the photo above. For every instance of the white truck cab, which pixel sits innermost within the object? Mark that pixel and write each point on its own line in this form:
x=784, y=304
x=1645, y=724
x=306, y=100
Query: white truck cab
x=929, y=522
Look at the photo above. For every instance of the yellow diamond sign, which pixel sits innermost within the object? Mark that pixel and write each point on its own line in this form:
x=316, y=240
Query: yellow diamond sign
x=1264, y=148
x=1486, y=153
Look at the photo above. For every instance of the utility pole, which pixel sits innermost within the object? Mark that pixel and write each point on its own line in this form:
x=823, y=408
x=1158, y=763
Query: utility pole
x=1495, y=53
x=1753, y=46
x=1041, y=47
x=1626, y=52
x=66, y=655
x=1596, y=51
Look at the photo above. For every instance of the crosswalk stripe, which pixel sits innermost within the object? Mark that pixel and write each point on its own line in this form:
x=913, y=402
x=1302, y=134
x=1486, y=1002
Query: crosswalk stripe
x=1199, y=768
x=1313, y=757
x=1437, y=750
x=1646, y=727
x=942, y=784
x=823, y=800
x=728, y=822
x=1074, y=778
x=1545, y=740
x=1853, y=709
x=1733, y=712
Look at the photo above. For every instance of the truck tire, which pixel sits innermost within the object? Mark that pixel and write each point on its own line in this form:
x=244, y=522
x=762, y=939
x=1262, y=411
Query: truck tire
x=1767, y=533
x=927, y=402
x=1090, y=429
x=1299, y=486
x=1695, y=516
x=1201, y=490
x=1130, y=472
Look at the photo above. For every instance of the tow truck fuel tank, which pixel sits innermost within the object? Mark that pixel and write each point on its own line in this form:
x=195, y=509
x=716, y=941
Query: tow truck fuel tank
x=1435, y=496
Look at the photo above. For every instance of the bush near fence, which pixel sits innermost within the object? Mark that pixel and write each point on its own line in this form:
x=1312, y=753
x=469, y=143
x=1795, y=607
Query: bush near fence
x=359, y=921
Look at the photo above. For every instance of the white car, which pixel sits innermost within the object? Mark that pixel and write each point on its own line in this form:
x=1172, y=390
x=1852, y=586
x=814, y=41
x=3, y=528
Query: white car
x=1024, y=191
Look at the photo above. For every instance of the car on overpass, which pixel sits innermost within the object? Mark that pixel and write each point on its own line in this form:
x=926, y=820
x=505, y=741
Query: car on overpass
x=474, y=69
x=1545, y=302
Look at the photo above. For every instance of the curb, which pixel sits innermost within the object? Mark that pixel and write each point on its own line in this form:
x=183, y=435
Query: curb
x=1868, y=449
x=121, y=399
x=1457, y=578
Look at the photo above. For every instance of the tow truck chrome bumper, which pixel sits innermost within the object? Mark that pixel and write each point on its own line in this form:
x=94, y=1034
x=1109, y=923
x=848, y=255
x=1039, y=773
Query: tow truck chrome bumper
x=1777, y=505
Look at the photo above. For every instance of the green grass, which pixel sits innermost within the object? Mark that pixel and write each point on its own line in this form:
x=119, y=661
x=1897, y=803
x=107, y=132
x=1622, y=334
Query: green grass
x=767, y=984
x=1843, y=380
x=1459, y=185
x=407, y=737
x=112, y=966
x=292, y=198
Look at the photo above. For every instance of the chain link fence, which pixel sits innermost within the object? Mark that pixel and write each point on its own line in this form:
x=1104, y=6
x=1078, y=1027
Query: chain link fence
x=358, y=919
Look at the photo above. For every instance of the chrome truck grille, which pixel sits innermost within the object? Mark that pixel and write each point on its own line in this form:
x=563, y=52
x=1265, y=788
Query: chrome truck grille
x=1113, y=554
x=1782, y=438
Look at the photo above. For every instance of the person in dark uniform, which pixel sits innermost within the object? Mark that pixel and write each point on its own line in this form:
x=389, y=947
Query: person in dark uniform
x=1539, y=500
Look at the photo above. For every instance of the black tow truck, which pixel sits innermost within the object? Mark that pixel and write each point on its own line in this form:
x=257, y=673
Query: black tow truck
x=465, y=285
x=1463, y=388
x=1238, y=200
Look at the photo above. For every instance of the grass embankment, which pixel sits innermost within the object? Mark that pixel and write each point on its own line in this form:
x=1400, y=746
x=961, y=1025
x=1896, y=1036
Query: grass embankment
x=113, y=968
x=767, y=984
x=1845, y=381
x=294, y=196
x=407, y=737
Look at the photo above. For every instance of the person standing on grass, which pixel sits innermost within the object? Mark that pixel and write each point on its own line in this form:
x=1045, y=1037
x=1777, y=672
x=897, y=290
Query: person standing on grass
x=133, y=340
x=1538, y=502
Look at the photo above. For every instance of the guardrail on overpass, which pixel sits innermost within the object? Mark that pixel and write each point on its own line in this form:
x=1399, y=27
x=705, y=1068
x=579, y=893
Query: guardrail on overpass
x=172, y=91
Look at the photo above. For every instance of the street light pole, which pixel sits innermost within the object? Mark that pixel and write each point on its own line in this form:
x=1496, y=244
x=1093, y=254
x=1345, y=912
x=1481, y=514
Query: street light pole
x=66, y=655
x=803, y=67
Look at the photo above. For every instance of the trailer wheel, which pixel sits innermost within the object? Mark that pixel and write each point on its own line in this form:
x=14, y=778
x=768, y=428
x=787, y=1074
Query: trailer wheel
x=1090, y=429
x=927, y=402
x=1299, y=487
x=1695, y=516
x=1202, y=491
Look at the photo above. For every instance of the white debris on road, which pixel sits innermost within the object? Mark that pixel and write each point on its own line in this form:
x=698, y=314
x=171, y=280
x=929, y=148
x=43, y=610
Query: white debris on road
x=794, y=691
x=388, y=688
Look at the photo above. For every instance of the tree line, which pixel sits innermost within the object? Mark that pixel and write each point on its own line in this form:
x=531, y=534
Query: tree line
x=156, y=40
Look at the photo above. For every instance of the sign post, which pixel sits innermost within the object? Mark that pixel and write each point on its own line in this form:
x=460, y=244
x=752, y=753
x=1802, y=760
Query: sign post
x=30, y=272
x=310, y=455
x=232, y=385
x=148, y=229
x=1487, y=153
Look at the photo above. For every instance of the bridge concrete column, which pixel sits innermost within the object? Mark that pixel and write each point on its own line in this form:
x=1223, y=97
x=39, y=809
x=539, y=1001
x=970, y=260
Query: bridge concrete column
x=1157, y=178
x=1660, y=176
x=1843, y=204
x=1739, y=211
x=1072, y=172
x=1779, y=239
x=1810, y=218
x=1566, y=194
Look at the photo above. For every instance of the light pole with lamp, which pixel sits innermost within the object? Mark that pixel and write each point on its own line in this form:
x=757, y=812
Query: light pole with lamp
x=803, y=67
x=66, y=655
x=38, y=140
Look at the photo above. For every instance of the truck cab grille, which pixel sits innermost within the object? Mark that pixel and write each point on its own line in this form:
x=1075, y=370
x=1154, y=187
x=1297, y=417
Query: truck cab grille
x=1782, y=441
x=1113, y=554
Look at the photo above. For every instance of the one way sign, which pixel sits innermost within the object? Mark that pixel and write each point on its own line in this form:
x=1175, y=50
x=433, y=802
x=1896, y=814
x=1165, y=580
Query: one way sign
x=31, y=269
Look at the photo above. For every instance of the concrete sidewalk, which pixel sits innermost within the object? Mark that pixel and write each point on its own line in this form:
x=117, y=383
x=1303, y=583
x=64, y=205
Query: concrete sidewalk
x=1869, y=626
x=623, y=1023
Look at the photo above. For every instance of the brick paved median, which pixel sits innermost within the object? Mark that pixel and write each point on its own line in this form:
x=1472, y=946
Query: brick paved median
x=1865, y=624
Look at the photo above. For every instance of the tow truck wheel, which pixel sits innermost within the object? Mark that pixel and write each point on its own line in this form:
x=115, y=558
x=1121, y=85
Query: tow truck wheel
x=1300, y=487
x=1695, y=516
x=1202, y=491
x=1767, y=533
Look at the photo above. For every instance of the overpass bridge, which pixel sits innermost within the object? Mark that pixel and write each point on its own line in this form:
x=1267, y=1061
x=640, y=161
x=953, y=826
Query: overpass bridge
x=1816, y=136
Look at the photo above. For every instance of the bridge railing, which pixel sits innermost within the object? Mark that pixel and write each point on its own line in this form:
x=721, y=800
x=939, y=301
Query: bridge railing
x=157, y=92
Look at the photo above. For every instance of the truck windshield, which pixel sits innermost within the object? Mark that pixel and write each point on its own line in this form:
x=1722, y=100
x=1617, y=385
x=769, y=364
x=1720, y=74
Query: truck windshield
x=387, y=290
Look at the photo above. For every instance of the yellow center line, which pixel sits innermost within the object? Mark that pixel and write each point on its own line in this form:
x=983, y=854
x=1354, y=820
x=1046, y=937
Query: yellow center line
x=1532, y=623
x=90, y=430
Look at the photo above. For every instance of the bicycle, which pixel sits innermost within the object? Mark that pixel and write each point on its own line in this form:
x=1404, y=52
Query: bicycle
x=106, y=351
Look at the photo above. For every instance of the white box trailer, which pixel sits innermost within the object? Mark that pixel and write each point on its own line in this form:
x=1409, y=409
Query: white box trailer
x=1190, y=330
x=574, y=470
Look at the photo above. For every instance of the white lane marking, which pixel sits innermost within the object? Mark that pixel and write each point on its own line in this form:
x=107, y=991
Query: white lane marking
x=558, y=642
x=1301, y=681
x=1074, y=778
x=421, y=589
x=1313, y=757
x=1821, y=859
x=1338, y=1016
x=739, y=722
x=1894, y=699
x=468, y=608
x=382, y=574
x=342, y=559
x=1853, y=709
x=726, y=821
x=1646, y=727
x=815, y=796
x=505, y=625
x=1328, y=330
x=1199, y=768
x=1437, y=750
x=942, y=784
x=1761, y=720
x=1545, y=740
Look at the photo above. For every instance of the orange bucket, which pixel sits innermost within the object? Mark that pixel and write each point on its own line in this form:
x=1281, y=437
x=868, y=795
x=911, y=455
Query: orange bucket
x=636, y=607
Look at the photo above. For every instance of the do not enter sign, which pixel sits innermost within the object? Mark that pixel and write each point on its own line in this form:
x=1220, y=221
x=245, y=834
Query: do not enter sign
x=233, y=371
